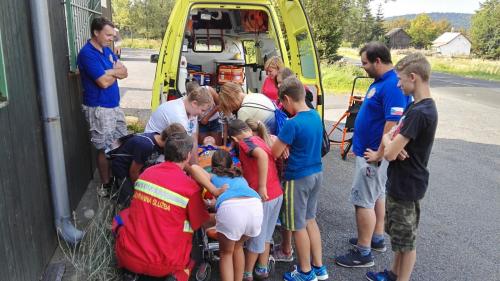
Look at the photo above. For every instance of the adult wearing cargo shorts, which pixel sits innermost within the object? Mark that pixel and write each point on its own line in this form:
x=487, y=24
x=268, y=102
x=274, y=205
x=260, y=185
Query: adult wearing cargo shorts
x=99, y=71
x=382, y=107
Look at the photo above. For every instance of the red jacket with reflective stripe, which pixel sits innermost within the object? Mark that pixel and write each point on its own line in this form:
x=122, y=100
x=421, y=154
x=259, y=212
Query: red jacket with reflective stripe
x=156, y=236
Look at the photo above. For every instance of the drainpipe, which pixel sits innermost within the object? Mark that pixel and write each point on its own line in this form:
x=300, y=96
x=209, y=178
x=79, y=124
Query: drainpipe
x=52, y=122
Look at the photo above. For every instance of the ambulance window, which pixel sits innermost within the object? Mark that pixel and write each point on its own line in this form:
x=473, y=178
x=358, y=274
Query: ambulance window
x=249, y=48
x=205, y=45
x=3, y=78
x=306, y=53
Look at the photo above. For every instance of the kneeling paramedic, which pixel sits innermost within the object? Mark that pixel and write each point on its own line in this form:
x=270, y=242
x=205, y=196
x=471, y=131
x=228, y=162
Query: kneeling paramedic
x=154, y=235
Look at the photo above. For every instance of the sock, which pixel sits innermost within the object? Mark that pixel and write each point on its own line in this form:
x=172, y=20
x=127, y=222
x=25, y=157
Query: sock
x=376, y=238
x=365, y=251
x=247, y=274
x=306, y=273
x=316, y=267
x=261, y=268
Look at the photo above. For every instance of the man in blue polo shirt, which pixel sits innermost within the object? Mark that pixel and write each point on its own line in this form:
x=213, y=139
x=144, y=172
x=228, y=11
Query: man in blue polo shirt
x=99, y=70
x=382, y=107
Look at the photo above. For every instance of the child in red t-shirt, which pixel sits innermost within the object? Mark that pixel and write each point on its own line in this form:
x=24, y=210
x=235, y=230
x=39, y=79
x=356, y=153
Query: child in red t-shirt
x=259, y=169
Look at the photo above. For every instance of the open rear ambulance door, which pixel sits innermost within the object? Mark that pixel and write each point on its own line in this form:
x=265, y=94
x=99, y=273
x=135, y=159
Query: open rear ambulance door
x=303, y=55
x=169, y=56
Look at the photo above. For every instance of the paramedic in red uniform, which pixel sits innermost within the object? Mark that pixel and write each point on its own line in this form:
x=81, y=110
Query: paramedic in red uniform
x=154, y=235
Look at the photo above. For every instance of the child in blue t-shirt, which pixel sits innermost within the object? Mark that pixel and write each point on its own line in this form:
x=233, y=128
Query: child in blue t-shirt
x=302, y=136
x=239, y=211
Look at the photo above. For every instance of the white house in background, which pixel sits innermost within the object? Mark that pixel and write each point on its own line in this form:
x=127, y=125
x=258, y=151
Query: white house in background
x=452, y=44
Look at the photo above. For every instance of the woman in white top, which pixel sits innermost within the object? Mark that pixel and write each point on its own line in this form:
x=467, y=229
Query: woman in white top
x=234, y=103
x=184, y=111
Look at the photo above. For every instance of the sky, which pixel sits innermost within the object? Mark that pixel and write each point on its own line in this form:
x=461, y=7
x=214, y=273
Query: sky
x=403, y=7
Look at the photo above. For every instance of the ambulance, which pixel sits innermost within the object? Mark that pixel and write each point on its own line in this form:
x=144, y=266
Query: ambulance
x=219, y=41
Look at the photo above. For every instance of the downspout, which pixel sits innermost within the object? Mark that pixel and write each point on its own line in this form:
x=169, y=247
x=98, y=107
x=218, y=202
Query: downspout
x=52, y=122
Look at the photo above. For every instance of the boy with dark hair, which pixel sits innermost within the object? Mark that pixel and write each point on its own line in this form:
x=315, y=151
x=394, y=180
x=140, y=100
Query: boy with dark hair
x=408, y=146
x=302, y=134
x=154, y=235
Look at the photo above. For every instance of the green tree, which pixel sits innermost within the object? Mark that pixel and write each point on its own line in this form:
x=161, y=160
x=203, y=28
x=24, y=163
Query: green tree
x=485, y=30
x=423, y=30
x=398, y=22
x=326, y=19
x=143, y=18
x=378, y=29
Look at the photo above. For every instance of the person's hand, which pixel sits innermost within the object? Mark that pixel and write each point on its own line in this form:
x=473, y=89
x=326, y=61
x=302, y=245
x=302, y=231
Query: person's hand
x=120, y=70
x=372, y=156
x=263, y=193
x=403, y=155
x=220, y=190
x=286, y=153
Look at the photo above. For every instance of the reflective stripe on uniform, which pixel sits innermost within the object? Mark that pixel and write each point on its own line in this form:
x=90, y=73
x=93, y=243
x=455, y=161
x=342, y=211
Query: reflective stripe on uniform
x=187, y=227
x=161, y=193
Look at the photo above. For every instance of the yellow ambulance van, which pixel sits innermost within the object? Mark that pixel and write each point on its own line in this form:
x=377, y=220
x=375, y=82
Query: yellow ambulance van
x=230, y=40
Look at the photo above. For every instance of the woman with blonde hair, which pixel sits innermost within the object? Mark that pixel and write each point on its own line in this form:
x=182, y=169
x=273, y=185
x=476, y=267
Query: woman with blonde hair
x=234, y=103
x=270, y=88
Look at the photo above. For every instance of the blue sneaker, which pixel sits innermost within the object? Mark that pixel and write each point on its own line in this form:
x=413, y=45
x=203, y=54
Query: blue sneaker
x=296, y=275
x=379, y=246
x=379, y=276
x=321, y=272
x=355, y=259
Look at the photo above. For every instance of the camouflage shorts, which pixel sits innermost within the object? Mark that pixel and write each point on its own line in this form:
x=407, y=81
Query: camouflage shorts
x=401, y=223
x=105, y=125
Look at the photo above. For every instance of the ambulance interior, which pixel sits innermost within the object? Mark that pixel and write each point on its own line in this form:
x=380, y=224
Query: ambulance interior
x=222, y=45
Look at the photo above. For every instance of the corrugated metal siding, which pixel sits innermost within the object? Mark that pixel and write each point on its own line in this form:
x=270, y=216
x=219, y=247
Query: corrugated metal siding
x=27, y=235
x=77, y=149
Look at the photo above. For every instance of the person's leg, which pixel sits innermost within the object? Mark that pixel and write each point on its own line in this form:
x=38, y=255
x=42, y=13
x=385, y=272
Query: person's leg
x=303, y=247
x=264, y=257
x=380, y=216
x=239, y=259
x=407, y=261
x=226, y=251
x=365, y=220
x=286, y=242
x=103, y=167
x=396, y=264
x=315, y=240
x=250, y=259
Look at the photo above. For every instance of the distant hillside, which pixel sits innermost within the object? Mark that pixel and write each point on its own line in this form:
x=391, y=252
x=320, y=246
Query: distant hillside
x=457, y=20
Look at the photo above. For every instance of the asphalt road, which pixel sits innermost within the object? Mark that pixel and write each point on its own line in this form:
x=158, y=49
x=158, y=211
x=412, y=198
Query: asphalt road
x=459, y=234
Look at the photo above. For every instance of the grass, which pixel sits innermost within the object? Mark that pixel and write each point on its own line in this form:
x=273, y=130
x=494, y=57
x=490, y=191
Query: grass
x=338, y=78
x=467, y=67
x=94, y=258
x=139, y=43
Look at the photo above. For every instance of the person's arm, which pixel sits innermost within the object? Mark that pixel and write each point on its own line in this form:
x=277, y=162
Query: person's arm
x=394, y=147
x=135, y=170
x=194, y=151
x=211, y=113
x=278, y=148
x=202, y=177
x=375, y=156
x=262, y=165
x=119, y=71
